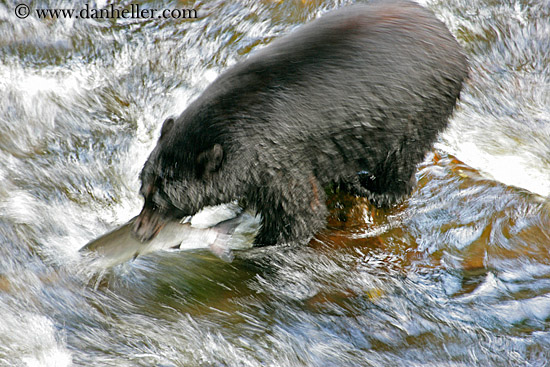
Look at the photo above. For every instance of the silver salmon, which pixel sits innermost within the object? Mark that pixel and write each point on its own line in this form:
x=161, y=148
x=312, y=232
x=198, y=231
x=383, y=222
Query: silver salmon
x=119, y=245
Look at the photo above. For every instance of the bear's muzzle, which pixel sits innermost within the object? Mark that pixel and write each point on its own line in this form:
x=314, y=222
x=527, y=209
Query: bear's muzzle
x=148, y=224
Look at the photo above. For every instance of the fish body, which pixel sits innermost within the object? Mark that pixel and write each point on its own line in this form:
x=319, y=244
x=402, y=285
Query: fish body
x=220, y=229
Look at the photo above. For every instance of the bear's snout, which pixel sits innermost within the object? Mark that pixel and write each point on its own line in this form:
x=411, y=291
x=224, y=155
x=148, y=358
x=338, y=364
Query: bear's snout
x=148, y=224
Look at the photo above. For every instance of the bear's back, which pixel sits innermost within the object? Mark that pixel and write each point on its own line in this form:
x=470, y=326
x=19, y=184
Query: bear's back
x=383, y=72
x=362, y=59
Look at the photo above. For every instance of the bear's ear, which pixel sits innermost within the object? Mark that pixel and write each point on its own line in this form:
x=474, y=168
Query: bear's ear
x=211, y=159
x=166, y=127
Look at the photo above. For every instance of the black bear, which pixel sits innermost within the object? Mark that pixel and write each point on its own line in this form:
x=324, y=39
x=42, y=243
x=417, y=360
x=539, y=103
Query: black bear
x=354, y=99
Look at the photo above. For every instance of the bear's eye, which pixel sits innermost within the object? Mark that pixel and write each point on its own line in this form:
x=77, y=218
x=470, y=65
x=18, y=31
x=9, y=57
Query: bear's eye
x=161, y=199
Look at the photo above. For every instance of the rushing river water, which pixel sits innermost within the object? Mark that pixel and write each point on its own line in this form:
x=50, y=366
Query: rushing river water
x=458, y=275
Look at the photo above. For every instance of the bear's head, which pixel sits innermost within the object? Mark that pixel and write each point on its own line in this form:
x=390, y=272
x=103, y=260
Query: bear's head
x=178, y=179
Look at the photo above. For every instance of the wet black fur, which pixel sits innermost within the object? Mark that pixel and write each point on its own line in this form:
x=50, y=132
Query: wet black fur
x=355, y=98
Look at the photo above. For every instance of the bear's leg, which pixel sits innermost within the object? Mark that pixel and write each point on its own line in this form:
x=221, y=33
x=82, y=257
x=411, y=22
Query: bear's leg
x=388, y=182
x=291, y=212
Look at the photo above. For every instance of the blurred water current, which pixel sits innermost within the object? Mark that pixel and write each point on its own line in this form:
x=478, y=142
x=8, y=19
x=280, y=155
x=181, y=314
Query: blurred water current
x=458, y=275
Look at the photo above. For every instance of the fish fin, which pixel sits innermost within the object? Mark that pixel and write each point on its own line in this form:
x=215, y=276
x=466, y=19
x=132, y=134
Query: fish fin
x=221, y=249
